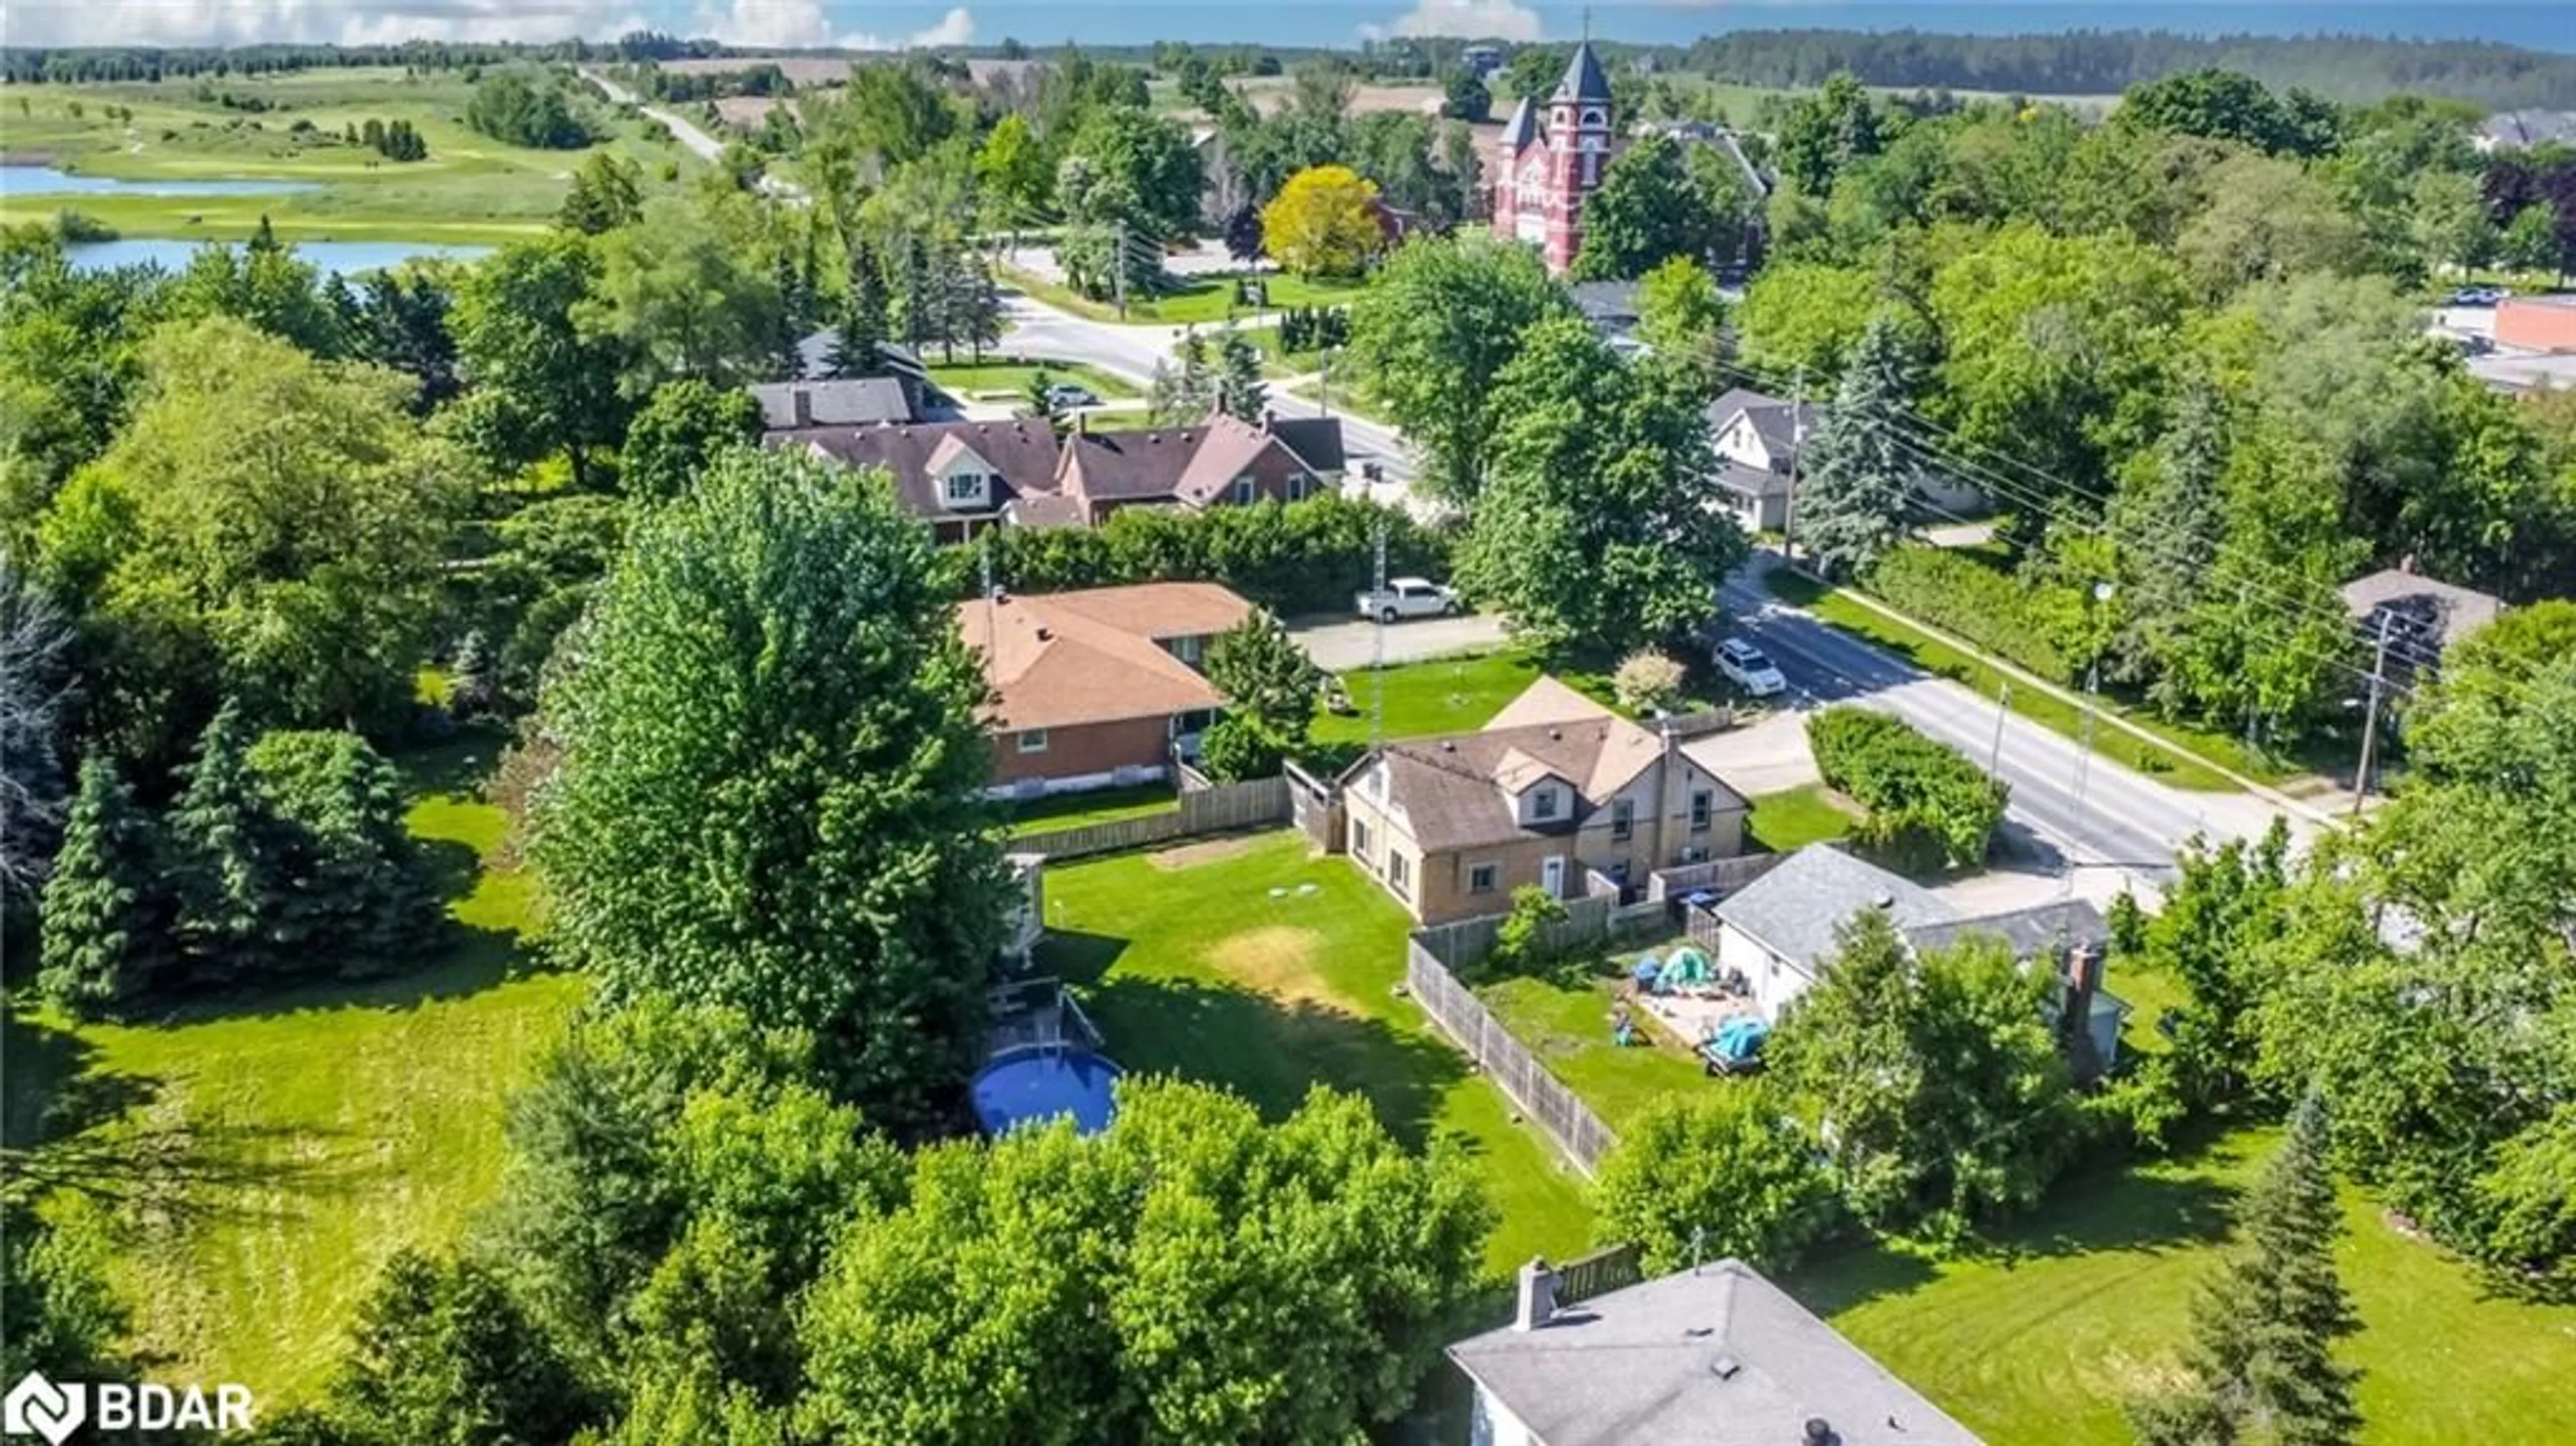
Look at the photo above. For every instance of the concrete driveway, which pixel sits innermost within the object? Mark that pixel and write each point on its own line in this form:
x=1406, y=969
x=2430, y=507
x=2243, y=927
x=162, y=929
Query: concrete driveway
x=1338, y=646
x=1767, y=755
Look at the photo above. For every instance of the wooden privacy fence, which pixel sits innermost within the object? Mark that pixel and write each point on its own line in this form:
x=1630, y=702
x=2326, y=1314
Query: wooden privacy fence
x=1221, y=808
x=1541, y=1096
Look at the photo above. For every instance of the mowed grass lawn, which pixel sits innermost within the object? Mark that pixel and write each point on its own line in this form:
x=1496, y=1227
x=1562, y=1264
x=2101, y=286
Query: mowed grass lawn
x=252, y=1164
x=1444, y=695
x=1009, y=378
x=1081, y=810
x=1242, y=962
x=1793, y=818
x=2036, y=1342
x=470, y=189
x=1564, y=1018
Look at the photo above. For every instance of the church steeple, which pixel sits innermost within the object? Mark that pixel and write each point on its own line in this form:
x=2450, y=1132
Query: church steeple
x=1584, y=80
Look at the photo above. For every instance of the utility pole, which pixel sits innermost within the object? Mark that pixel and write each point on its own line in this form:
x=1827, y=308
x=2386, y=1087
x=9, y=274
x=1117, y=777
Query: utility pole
x=2370, y=721
x=1118, y=269
x=1797, y=444
x=2101, y=593
x=1377, y=656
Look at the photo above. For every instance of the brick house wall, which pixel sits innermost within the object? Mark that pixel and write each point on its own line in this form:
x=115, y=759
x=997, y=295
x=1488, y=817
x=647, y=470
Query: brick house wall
x=1077, y=752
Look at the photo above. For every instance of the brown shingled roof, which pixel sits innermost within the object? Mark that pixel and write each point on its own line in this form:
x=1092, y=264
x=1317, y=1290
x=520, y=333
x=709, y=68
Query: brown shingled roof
x=1060, y=660
x=1455, y=791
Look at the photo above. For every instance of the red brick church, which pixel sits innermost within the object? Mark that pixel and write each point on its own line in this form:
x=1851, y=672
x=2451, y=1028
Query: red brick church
x=1550, y=160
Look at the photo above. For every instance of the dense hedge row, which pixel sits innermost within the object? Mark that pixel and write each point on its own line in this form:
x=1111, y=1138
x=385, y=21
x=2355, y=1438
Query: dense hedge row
x=1926, y=801
x=1297, y=557
x=1962, y=595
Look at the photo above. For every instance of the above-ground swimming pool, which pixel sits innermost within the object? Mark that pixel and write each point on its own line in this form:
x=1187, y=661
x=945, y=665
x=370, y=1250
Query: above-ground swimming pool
x=1038, y=1083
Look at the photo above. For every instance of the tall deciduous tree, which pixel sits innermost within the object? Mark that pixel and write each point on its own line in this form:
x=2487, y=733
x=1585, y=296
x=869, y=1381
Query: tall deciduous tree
x=104, y=920
x=1600, y=524
x=1936, y=1079
x=679, y=431
x=2261, y=1363
x=1125, y=1287
x=1681, y=314
x=1647, y=211
x=684, y=293
x=1703, y=1176
x=1858, y=475
x=267, y=526
x=607, y=192
x=1435, y=329
x=1265, y=675
x=793, y=827
x=539, y=383
x=1825, y=132
x=1323, y=223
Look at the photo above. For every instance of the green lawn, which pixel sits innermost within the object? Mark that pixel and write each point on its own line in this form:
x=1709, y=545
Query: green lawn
x=1564, y=1018
x=1444, y=695
x=471, y=189
x=2182, y=769
x=1077, y=810
x=1008, y=378
x=1789, y=820
x=2035, y=1342
x=1246, y=963
x=252, y=1163
x=1203, y=301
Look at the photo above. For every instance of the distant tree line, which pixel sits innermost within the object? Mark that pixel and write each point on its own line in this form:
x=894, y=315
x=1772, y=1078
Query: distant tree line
x=2106, y=62
x=755, y=78
x=527, y=108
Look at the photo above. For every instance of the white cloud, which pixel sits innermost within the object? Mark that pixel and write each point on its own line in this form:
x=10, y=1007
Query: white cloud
x=348, y=22
x=796, y=24
x=1464, y=19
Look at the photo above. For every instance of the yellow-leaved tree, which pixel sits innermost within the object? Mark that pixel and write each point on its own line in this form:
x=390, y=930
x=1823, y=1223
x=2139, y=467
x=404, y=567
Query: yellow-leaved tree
x=1324, y=222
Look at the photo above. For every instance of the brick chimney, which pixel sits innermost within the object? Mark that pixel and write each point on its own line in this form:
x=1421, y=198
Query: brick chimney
x=1537, y=1296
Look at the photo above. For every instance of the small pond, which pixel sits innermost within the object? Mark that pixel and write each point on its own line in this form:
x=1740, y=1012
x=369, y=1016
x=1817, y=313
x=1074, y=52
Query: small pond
x=345, y=258
x=52, y=181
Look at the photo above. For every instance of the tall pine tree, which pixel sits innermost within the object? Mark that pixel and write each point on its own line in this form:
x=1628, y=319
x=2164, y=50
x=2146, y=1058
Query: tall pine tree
x=2262, y=1361
x=858, y=346
x=1240, y=392
x=227, y=856
x=1857, y=476
x=102, y=936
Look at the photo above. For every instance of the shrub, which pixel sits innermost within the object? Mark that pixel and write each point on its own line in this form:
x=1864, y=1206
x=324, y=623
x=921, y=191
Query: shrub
x=72, y=227
x=1520, y=942
x=1722, y=1172
x=1240, y=748
x=1647, y=679
x=1961, y=595
x=1926, y=801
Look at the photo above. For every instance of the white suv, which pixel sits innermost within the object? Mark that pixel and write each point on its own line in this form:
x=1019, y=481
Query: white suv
x=1408, y=597
x=1745, y=666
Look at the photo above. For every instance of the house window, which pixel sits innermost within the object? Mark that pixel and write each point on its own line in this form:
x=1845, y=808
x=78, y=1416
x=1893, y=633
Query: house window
x=1188, y=648
x=1360, y=840
x=1483, y=878
x=1543, y=804
x=1623, y=817
x=1033, y=740
x=1703, y=807
x=1243, y=489
x=965, y=486
x=1399, y=874
x=1297, y=487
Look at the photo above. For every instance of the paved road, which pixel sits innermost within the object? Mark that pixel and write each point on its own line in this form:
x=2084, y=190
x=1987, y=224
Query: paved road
x=1032, y=328
x=1340, y=646
x=2091, y=811
x=698, y=142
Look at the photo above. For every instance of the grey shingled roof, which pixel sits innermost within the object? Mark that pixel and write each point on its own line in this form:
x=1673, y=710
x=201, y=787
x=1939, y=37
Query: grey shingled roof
x=1795, y=909
x=1317, y=441
x=1583, y=78
x=1771, y=417
x=1746, y=481
x=1648, y=1366
x=2043, y=929
x=2428, y=615
x=847, y=402
x=1521, y=129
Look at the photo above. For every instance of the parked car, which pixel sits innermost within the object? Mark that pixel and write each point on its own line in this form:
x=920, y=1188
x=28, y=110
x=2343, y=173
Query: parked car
x=1748, y=668
x=2476, y=296
x=1408, y=597
x=1067, y=394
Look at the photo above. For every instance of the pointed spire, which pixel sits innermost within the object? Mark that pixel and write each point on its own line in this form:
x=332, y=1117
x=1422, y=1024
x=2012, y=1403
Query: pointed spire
x=1521, y=128
x=1584, y=80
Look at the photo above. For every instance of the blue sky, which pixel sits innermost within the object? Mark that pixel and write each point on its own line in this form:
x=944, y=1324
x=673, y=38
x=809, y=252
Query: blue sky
x=2548, y=24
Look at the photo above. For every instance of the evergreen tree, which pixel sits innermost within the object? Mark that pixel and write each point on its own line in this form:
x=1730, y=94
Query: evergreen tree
x=1040, y=396
x=101, y=940
x=1858, y=476
x=2264, y=1328
x=354, y=893
x=226, y=847
x=1186, y=391
x=1243, y=233
x=858, y=347
x=1240, y=392
x=979, y=306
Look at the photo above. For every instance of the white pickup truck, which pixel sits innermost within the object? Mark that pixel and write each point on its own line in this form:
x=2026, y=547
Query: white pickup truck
x=1408, y=597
